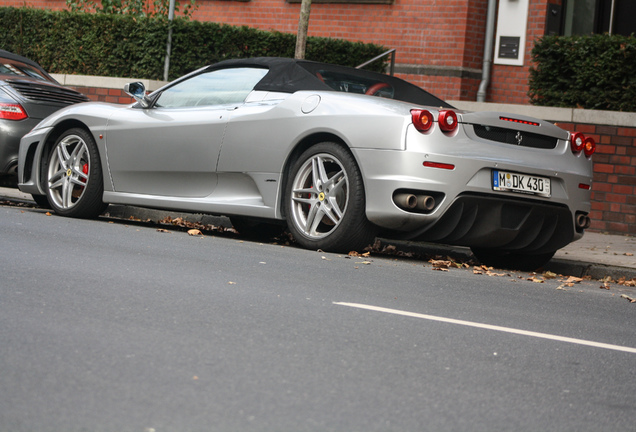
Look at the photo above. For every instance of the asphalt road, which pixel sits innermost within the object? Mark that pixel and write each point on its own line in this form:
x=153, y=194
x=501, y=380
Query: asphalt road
x=113, y=326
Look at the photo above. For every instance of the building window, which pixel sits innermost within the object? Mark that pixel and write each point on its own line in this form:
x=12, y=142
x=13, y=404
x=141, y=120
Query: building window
x=581, y=17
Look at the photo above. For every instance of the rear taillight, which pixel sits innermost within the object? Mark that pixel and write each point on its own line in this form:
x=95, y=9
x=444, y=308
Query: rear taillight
x=12, y=112
x=447, y=120
x=578, y=143
x=577, y=140
x=422, y=119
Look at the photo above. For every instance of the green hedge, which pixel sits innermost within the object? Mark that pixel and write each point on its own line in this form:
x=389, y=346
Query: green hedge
x=593, y=72
x=126, y=46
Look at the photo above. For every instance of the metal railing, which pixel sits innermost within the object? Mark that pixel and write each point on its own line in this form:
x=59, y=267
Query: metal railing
x=389, y=52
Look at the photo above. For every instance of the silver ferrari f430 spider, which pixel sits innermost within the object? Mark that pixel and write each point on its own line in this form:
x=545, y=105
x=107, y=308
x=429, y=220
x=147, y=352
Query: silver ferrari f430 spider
x=338, y=155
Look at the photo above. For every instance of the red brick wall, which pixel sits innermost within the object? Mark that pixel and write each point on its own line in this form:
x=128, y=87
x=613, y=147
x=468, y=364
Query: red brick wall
x=40, y=4
x=614, y=187
x=105, y=95
x=446, y=34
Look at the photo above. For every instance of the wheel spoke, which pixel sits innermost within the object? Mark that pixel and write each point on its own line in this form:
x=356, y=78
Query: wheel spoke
x=314, y=217
x=62, y=157
x=319, y=171
x=67, y=192
x=333, y=211
x=57, y=179
x=337, y=182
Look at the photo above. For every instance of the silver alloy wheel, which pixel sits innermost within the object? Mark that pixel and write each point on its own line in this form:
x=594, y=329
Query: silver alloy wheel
x=68, y=171
x=319, y=196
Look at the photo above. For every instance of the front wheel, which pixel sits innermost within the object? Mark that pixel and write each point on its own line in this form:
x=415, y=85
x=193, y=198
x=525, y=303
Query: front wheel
x=325, y=201
x=512, y=260
x=75, y=184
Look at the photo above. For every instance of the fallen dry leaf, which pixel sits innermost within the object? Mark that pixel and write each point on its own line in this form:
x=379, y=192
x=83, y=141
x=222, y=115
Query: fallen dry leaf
x=440, y=265
x=195, y=232
x=536, y=279
x=572, y=280
x=605, y=285
x=161, y=230
x=358, y=254
x=631, y=300
x=549, y=275
x=48, y=214
x=629, y=283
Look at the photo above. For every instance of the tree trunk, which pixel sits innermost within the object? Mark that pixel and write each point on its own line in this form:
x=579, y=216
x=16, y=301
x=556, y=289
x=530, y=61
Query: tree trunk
x=303, y=26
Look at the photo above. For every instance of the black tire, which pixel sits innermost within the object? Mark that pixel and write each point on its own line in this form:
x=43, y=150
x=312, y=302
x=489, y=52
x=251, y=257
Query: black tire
x=325, y=201
x=41, y=201
x=255, y=228
x=512, y=260
x=74, y=179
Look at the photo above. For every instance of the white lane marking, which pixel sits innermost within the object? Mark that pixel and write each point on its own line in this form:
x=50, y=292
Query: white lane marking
x=490, y=327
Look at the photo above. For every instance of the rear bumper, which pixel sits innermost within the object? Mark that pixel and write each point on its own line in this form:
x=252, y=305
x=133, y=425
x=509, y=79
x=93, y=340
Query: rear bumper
x=467, y=211
x=503, y=223
x=10, y=135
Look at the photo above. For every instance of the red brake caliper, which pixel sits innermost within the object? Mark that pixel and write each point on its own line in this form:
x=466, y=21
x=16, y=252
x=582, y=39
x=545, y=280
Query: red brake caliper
x=85, y=170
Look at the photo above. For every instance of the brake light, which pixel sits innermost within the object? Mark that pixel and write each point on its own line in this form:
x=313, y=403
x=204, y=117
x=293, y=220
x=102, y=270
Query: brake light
x=12, y=112
x=577, y=141
x=589, y=147
x=422, y=119
x=514, y=120
x=447, y=120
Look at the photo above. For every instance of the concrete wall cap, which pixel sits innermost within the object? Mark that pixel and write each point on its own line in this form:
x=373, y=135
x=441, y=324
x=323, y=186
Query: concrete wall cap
x=104, y=82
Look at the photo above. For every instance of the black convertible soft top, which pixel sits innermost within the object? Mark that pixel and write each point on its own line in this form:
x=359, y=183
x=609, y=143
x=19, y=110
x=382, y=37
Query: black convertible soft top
x=15, y=57
x=289, y=75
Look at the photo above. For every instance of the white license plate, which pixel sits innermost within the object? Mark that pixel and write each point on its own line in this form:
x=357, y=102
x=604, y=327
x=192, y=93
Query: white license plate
x=524, y=183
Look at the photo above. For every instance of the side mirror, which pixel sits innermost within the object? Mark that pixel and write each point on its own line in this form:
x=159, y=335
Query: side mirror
x=138, y=91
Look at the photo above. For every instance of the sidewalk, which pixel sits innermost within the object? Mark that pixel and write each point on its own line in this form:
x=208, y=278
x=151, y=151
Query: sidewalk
x=596, y=255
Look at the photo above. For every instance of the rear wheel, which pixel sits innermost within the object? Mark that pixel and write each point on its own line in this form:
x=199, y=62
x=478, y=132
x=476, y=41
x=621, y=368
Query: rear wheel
x=511, y=260
x=325, y=201
x=75, y=183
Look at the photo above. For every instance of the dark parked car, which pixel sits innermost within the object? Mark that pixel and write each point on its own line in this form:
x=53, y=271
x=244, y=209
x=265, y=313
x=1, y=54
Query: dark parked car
x=28, y=94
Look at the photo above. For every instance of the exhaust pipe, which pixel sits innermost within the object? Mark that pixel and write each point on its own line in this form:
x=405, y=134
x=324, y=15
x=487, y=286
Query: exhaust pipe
x=425, y=202
x=405, y=201
x=582, y=221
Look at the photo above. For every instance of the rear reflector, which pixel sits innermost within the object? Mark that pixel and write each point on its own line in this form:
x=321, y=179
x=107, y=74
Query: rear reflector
x=439, y=165
x=584, y=186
